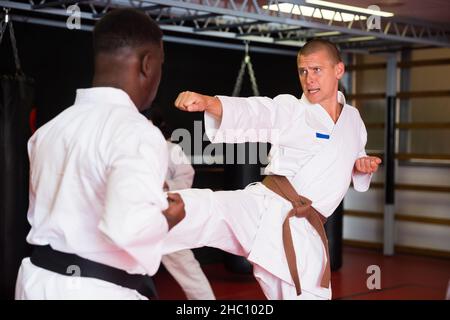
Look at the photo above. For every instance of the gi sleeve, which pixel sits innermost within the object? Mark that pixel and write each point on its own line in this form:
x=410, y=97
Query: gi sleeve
x=134, y=198
x=181, y=173
x=254, y=119
x=361, y=181
x=31, y=192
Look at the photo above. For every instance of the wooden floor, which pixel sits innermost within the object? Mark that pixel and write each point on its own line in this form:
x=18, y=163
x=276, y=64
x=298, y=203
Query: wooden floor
x=402, y=277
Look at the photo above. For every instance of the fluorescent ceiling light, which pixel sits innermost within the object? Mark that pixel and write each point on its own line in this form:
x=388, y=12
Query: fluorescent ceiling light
x=350, y=8
x=314, y=12
x=327, y=34
x=355, y=39
x=296, y=43
x=256, y=38
x=364, y=38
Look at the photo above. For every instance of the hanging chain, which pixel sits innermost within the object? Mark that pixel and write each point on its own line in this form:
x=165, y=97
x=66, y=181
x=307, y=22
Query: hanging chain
x=14, y=47
x=240, y=78
x=4, y=24
x=252, y=78
x=246, y=62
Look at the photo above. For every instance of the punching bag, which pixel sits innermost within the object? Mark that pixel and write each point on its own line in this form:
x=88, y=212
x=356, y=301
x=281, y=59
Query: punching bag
x=16, y=98
x=333, y=229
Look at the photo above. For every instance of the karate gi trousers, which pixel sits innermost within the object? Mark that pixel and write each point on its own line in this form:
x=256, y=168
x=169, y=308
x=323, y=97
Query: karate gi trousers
x=249, y=223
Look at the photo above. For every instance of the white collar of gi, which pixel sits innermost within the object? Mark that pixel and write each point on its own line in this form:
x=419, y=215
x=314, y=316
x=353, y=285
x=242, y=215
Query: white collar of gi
x=340, y=99
x=104, y=95
x=318, y=117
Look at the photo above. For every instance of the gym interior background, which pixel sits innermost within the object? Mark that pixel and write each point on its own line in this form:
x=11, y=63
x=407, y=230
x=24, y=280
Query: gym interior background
x=398, y=81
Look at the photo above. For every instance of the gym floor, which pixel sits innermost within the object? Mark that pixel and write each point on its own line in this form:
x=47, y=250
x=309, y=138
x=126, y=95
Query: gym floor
x=403, y=277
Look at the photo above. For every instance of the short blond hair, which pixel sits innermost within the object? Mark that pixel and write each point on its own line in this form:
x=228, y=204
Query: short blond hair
x=315, y=45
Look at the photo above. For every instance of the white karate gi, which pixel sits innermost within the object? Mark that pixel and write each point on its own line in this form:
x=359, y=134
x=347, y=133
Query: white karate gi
x=183, y=265
x=249, y=222
x=96, y=177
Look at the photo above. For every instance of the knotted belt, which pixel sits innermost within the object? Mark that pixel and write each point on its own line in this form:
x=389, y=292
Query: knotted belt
x=301, y=209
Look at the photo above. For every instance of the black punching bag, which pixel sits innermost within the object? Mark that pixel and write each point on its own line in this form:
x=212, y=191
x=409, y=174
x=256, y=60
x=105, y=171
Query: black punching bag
x=242, y=167
x=333, y=229
x=16, y=95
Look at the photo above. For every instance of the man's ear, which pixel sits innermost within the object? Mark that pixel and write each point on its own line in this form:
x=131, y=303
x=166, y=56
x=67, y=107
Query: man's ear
x=146, y=66
x=340, y=69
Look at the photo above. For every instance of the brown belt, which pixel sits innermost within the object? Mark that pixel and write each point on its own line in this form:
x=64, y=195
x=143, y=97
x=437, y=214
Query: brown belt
x=301, y=209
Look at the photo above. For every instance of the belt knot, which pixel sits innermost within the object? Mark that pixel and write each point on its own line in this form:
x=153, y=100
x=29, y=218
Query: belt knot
x=301, y=207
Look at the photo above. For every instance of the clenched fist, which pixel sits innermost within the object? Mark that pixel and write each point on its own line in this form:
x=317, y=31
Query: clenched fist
x=367, y=164
x=196, y=102
x=191, y=101
x=175, y=212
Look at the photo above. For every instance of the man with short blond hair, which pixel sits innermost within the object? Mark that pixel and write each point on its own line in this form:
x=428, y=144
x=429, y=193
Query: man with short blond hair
x=318, y=146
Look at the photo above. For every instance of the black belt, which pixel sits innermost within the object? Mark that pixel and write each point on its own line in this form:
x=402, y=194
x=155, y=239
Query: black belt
x=61, y=262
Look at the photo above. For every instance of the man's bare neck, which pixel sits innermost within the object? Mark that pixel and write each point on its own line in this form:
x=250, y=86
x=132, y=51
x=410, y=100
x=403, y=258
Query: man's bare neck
x=333, y=108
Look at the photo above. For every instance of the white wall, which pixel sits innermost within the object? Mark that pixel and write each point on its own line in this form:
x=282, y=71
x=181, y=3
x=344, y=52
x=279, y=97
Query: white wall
x=414, y=203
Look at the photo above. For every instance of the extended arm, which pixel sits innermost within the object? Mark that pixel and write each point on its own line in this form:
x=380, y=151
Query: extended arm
x=236, y=120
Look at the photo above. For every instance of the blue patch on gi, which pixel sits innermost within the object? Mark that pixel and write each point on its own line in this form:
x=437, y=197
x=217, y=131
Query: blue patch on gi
x=322, y=136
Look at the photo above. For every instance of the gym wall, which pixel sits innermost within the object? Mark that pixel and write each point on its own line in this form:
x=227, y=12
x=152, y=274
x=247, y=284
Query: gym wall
x=422, y=185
